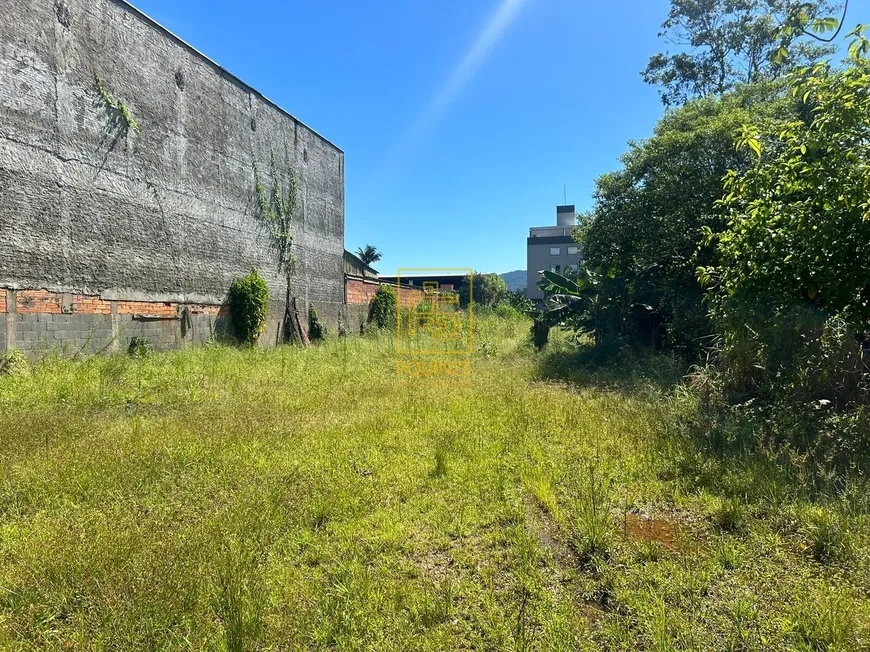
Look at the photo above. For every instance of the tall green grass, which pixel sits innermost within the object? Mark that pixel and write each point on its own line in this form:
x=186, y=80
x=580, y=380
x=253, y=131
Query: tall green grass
x=243, y=499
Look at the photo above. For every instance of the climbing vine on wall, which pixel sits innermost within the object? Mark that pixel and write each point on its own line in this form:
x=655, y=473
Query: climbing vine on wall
x=117, y=108
x=277, y=206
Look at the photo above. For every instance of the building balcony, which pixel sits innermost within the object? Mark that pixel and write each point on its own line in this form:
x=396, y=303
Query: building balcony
x=550, y=231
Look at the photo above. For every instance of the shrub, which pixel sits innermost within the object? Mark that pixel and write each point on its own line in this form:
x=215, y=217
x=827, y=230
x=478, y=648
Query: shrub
x=730, y=515
x=316, y=330
x=518, y=300
x=382, y=312
x=249, y=305
x=13, y=363
x=139, y=347
x=507, y=311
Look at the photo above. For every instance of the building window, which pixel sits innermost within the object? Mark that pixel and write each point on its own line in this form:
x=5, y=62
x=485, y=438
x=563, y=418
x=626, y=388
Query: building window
x=555, y=268
x=573, y=267
x=572, y=250
x=555, y=251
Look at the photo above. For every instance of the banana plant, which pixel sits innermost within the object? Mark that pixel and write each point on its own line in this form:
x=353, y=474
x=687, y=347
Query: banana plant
x=571, y=303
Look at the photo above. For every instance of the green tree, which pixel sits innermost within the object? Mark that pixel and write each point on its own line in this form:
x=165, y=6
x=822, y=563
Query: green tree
x=483, y=289
x=798, y=227
x=368, y=254
x=729, y=42
x=645, y=234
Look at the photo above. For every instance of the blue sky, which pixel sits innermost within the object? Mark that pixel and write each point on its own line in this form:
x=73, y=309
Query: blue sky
x=461, y=120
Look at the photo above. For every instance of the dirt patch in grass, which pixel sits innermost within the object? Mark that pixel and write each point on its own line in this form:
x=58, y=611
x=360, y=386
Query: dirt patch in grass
x=566, y=571
x=668, y=533
x=549, y=535
x=437, y=565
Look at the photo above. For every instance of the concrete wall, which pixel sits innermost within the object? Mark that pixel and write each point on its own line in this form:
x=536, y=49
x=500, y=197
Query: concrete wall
x=36, y=321
x=166, y=214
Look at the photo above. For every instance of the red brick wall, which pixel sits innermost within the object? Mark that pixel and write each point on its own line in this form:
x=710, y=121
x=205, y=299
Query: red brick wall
x=91, y=305
x=360, y=292
x=408, y=297
x=147, y=308
x=45, y=302
x=39, y=301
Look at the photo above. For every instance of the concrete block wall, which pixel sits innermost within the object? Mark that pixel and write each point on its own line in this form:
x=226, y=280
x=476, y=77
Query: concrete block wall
x=38, y=322
x=98, y=216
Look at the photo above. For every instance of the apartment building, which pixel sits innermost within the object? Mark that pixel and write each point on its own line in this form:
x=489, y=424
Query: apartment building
x=552, y=248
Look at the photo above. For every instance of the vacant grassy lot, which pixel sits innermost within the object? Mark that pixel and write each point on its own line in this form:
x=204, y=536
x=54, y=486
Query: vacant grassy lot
x=235, y=499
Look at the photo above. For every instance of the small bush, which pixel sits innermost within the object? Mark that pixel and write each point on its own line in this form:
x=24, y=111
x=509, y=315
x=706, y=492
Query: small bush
x=726, y=553
x=440, y=469
x=139, y=347
x=730, y=515
x=13, y=363
x=592, y=524
x=827, y=534
x=316, y=330
x=382, y=312
x=507, y=311
x=249, y=305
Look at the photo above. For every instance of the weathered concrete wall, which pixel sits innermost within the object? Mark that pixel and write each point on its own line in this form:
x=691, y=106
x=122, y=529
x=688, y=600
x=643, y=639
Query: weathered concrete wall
x=165, y=214
x=36, y=321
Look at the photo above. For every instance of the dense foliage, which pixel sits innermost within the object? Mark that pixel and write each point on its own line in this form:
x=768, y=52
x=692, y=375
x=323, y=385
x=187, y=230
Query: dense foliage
x=249, y=304
x=793, y=279
x=739, y=234
x=518, y=300
x=483, y=289
x=383, y=308
x=316, y=329
x=732, y=42
x=368, y=254
x=645, y=235
x=799, y=220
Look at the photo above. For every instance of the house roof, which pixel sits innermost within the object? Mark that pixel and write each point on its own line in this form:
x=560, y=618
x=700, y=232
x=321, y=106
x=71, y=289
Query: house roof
x=354, y=263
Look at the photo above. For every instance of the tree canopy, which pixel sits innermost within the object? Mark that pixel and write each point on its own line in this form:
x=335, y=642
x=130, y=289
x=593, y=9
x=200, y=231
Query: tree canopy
x=645, y=234
x=799, y=218
x=728, y=42
x=483, y=289
x=368, y=254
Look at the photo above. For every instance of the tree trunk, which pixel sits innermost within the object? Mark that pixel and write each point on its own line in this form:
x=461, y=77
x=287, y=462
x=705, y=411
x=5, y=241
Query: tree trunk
x=294, y=333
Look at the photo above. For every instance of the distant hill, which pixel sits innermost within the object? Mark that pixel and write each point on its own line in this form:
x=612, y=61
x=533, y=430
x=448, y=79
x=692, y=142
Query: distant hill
x=515, y=280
